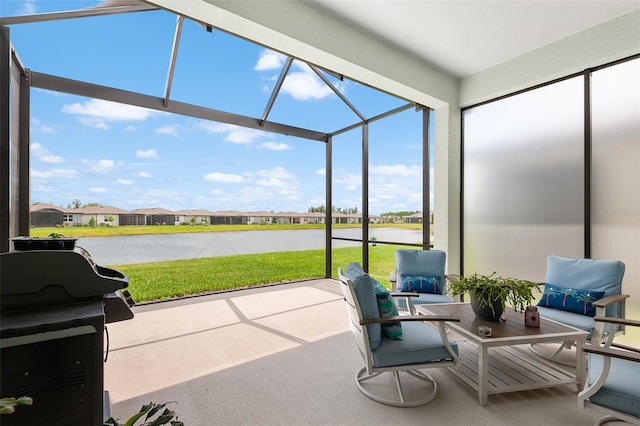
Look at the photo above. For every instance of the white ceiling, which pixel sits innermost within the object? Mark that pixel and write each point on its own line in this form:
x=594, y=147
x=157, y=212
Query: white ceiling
x=465, y=37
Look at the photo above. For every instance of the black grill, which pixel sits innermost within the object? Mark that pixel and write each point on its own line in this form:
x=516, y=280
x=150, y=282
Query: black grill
x=54, y=305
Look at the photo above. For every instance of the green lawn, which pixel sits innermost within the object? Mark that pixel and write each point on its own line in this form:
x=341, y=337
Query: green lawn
x=172, y=279
x=166, y=280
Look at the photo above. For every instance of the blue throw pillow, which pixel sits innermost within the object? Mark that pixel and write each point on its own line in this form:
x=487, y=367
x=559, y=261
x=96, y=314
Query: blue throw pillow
x=421, y=284
x=570, y=299
x=387, y=308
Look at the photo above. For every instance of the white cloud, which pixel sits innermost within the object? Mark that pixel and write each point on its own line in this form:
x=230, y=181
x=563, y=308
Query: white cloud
x=100, y=190
x=350, y=188
x=100, y=166
x=130, y=128
x=275, y=173
x=269, y=60
x=43, y=188
x=28, y=8
x=305, y=85
x=143, y=175
x=321, y=172
x=149, y=153
x=110, y=111
x=223, y=178
x=272, y=183
x=274, y=146
x=301, y=83
x=53, y=173
x=396, y=170
x=243, y=135
x=171, y=130
x=235, y=134
x=37, y=126
x=124, y=182
x=96, y=112
x=95, y=122
x=42, y=154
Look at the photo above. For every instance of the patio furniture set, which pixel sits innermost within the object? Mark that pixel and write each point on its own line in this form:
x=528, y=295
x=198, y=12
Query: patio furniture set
x=581, y=311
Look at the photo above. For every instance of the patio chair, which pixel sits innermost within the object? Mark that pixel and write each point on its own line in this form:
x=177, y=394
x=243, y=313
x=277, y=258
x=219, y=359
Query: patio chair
x=612, y=383
x=420, y=277
x=575, y=291
x=392, y=343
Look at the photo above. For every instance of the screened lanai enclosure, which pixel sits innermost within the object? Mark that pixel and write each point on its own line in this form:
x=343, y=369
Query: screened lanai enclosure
x=339, y=129
x=518, y=156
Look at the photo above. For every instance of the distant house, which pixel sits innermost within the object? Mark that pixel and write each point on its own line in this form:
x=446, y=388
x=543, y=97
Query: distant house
x=414, y=218
x=260, y=217
x=131, y=218
x=48, y=215
x=101, y=215
x=196, y=217
x=157, y=216
x=339, y=218
x=228, y=217
x=312, y=218
x=417, y=218
x=353, y=218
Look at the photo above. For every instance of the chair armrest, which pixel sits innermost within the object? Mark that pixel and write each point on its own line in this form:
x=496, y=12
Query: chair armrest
x=405, y=318
x=621, y=321
x=630, y=354
x=404, y=294
x=606, y=301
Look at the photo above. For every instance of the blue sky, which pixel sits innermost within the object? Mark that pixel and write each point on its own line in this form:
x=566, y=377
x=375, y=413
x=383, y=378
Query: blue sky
x=130, y=158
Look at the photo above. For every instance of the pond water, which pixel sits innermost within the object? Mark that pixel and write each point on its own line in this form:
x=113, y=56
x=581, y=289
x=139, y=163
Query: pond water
x=120, y=250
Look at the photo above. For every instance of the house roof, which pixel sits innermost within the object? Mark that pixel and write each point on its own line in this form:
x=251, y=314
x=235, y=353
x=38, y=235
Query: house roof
x=194, y=212
x=153, y=210
x=100, y=210
x=226, y=213
x=44, y=206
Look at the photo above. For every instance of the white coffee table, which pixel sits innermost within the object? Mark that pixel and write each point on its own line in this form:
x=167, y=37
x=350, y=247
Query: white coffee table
x=501, y=363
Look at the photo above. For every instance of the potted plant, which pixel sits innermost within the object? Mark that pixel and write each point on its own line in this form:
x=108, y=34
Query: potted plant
x=150, y=414
x=489, y=294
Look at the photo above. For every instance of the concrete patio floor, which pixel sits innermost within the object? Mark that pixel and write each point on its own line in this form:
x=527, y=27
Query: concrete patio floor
x=283, y=355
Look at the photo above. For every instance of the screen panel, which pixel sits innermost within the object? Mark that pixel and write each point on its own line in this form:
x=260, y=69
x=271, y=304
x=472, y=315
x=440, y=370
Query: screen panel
x=523, y=181
x=616, y=176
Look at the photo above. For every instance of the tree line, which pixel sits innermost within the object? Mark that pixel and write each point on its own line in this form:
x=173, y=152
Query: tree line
x=354, y=210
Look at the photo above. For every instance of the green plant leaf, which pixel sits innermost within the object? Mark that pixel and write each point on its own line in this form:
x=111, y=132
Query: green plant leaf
x=149, y=411
x=8, y=405
x=487, y=288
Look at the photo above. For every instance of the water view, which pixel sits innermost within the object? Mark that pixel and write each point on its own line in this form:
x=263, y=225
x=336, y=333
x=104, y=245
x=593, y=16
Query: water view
x=120, y=250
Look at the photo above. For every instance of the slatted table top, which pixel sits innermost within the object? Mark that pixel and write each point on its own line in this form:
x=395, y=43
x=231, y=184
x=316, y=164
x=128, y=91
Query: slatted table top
x=512, y=331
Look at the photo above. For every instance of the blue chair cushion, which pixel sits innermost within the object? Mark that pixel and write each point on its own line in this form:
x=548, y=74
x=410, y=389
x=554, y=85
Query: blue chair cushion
x=620, y=391
x=587, y=274
x=426, y=263
x=574, y=300
x=387, y=308
x=583, y=322
x=421, y=283
x=420, y=343
x=365, y=292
